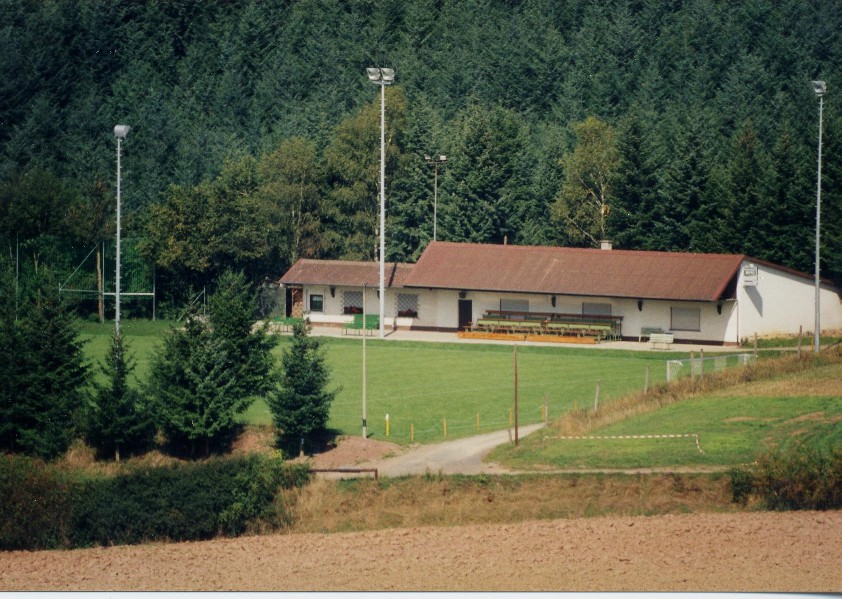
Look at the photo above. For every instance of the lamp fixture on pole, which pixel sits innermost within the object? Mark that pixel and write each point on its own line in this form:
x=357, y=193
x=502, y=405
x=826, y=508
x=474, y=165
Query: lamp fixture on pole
x=120, y=132
x=382, y=77
x=435, y=162
x=820, y=87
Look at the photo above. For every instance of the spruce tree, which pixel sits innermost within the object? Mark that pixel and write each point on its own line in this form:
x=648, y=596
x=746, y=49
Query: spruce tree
x=43, y=373
x=208, y=373
x=118, y=419
x=300, y=406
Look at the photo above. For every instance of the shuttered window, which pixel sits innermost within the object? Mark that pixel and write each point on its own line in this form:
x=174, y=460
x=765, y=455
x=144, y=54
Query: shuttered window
x=685, y=319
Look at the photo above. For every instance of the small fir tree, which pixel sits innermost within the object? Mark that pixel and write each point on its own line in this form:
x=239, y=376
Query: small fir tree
x=208, y=373
x=300, y=406
x=118, y=419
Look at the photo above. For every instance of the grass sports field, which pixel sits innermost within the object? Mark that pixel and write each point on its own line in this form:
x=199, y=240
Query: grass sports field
x=733, y=427
x=424, y=387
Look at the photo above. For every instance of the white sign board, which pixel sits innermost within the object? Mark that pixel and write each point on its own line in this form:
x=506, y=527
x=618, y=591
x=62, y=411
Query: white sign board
x=750, y=275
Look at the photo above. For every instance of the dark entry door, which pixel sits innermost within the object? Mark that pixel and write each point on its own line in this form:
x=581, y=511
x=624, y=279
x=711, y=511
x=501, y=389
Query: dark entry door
x=466, y=313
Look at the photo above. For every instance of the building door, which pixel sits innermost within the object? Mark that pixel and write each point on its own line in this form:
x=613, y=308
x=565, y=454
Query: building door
x=466, y=313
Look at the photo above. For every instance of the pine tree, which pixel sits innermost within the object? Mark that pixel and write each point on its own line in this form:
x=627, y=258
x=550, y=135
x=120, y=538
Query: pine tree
x=118, y=419
x=300, y=406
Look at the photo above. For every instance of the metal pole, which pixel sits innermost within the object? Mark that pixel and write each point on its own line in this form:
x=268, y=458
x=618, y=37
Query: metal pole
x=817, y=327
x=435, y=198
x=516, y=427
x=365, y=425
x=382, y=208
x=117, y=274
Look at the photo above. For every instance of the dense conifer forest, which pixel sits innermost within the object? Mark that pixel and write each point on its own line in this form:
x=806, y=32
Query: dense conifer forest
x=662, y=125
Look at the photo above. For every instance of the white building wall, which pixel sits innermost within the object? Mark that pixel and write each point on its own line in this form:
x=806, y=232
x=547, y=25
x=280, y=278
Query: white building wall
x=781, y=302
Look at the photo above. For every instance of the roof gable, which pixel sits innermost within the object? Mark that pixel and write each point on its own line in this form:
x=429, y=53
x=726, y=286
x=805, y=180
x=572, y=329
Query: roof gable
x=575, y=271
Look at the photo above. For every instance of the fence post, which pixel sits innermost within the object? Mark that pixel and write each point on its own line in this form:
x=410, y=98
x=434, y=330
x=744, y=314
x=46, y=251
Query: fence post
x=546, y=410
x=444, y=421
x=800, y=336
x=646, y=382
x=692, y=366
x=412, y=432
x=477, y=421
x=596, y=399
x=755, y=345
x=387, y=425
x=702, y=356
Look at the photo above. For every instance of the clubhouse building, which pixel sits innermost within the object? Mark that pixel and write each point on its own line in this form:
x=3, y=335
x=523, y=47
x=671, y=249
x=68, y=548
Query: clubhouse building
x=698, y=298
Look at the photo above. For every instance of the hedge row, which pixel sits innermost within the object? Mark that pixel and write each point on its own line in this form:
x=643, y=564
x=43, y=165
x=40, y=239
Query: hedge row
x=44, y=507
x=803, y=478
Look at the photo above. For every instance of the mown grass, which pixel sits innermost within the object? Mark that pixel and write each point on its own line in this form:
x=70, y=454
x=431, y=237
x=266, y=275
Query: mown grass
x=734, y=425
x=419, y=385
x=422, y=385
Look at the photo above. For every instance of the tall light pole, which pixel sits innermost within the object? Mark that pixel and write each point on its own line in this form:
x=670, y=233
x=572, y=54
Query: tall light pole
x=382, y=77
x=120, y=132
x=820, y=88
x=435, y=162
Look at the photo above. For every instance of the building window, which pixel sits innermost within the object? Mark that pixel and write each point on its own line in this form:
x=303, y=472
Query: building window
x=686, y=319
x=407, y=305
x=594, y=309
x=352, y=302
x=317, y=303
x=514, y=305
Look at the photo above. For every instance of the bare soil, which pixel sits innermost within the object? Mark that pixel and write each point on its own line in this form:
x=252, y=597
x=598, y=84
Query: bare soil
x=794, y=551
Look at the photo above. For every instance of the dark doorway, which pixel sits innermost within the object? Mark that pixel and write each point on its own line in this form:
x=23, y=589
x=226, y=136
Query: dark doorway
x=466, y=313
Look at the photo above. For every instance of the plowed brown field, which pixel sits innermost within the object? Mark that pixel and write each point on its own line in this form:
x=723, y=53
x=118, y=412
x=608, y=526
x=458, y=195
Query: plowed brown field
x=795, y=551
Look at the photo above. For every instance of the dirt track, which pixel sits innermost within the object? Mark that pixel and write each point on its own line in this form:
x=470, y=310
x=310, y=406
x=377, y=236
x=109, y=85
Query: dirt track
x=796, y=551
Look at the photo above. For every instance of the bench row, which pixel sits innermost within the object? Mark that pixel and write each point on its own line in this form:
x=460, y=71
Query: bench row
x=579, y=329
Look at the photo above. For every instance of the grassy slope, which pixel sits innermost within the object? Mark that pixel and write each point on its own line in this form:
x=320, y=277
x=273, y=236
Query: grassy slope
x=733, y=427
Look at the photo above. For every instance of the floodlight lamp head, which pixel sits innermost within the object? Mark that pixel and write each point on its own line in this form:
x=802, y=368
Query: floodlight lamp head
x=442, y=158
x=388, y=75
x=820, y=87
x=427, y=157
x=121, y=131
x=373, y=74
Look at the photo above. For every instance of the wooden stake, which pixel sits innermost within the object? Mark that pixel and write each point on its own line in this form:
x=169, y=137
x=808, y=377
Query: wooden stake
x=646, y=382
x=800, y=337
x=692, y=367
x=596, y=399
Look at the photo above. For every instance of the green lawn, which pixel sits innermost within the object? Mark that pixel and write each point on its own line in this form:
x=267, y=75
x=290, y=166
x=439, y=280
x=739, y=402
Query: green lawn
x=421, y=384
x=733, y=427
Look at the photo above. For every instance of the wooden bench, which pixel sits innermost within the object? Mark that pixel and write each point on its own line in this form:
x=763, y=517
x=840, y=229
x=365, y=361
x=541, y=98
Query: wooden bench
x=284, y=324
x=648, y=331
x=660, y=340
x=362, y=324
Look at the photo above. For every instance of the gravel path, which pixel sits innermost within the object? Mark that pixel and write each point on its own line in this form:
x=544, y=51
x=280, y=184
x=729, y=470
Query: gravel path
x=462, y=456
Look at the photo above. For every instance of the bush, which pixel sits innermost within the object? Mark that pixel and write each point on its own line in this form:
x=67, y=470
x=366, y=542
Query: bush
x=47, y=508
x=801, y=478
x=37, y=504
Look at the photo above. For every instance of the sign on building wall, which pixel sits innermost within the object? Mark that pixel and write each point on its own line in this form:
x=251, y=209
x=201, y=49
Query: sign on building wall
x=750, y=275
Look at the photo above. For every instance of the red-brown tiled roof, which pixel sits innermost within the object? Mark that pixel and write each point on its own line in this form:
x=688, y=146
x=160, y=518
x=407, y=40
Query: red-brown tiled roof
x=575, y=271
x=345, y=273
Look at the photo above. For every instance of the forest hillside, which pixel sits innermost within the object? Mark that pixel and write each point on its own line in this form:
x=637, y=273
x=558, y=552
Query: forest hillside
x=662, y=125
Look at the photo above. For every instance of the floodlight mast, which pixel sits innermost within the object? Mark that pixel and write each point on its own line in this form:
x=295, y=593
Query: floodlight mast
x=120, y=132
x=435, y=162
x=820, y=88
x=382, y=77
